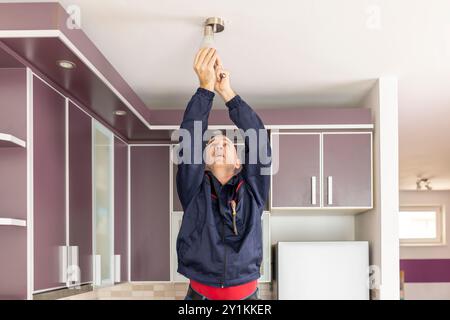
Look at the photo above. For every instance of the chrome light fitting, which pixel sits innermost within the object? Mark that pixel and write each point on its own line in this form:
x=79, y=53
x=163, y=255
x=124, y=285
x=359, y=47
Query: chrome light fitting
x=66, y=64
x=212, y=25
x=423, y=183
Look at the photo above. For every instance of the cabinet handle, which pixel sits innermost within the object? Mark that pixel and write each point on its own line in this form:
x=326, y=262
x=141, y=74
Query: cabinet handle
x=63, y=264
x=117, y=268
x=330, y=190
x=313, y=190
x=97, y=270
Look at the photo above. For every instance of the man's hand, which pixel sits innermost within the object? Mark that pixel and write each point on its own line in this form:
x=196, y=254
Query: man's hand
x=204, y=63
x=223, y=86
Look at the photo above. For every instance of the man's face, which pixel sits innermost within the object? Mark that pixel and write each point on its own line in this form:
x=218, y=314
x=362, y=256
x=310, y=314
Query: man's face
x=220, y=154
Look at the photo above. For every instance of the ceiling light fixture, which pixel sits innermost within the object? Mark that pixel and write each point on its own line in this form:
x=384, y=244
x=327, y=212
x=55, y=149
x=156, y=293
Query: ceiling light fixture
x=120, y=112
x=66, y=64
x=423, y=183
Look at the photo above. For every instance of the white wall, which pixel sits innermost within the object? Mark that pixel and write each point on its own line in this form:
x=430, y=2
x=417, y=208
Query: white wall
x=296, y=227
x=380, y=225
x=426, y=291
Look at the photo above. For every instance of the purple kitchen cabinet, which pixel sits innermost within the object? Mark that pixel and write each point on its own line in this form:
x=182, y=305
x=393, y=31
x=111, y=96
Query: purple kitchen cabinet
x=121, y=205
x=150, y=213
x=298, y=174
x=347, y=169
x=80, y=189
x=13, y=182
x=49, y=184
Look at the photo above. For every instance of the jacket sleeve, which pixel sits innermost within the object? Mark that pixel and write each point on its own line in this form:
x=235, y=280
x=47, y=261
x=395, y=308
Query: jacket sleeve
x=256, y=169
x=191, y=168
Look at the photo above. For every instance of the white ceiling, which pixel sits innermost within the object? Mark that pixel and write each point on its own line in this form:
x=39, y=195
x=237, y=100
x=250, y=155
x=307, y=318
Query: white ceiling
x=294, y=53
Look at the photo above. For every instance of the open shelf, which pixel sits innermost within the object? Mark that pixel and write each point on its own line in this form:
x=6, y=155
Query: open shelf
x=13, y=222
x=8, y=141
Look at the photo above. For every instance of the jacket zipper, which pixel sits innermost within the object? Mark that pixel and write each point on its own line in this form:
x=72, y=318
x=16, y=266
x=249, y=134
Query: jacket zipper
x=223, y=234
x=225, y=251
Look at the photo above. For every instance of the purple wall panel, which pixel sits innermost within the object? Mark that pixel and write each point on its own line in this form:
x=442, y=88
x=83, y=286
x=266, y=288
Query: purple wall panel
x=13, y=165
x=347, y=158
x=13, y=262
x=80, y=188
x=49, y=184
x=13, y=185
x=426, y=270
x=13, y=102
x=150, y=217
x=299, y=160
x=8, y=61
x=121, y=205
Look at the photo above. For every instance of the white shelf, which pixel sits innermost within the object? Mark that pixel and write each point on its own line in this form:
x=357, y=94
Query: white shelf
x=13, y=222
x=8, y=140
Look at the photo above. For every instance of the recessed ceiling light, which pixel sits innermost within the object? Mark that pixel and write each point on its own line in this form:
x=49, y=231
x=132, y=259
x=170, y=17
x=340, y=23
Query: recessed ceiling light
x=120, y=112
x=65, y=64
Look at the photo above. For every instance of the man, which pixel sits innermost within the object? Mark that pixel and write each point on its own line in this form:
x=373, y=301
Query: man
x=219, y=245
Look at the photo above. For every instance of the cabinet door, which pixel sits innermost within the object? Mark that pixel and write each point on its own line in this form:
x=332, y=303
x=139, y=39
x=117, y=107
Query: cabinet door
x=80, y=190
x=347, y=169
x=121, y=207
x=49, y=185
x=296, y=178
x=150, y=213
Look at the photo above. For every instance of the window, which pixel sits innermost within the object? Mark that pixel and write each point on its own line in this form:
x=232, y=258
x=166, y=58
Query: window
x=421, y=225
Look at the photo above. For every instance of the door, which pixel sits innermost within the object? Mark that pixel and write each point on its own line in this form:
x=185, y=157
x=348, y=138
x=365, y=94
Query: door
x=150, y=213
x=121, y=210
x=49, y=162
x=103, y=228
x=296, y=170
x=80, y=195
x=347, y=169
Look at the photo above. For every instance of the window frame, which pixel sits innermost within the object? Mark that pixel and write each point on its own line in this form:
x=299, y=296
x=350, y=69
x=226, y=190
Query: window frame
x=440, y=239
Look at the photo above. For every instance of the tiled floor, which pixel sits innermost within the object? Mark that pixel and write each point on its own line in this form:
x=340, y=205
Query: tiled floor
x=152, y=291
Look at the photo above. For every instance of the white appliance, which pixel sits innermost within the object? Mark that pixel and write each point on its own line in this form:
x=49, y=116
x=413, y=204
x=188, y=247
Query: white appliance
x=322, y=270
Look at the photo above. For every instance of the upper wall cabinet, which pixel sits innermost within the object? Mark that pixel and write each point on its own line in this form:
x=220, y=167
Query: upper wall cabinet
x=295, y=180
x=347, y=169
x=322, y=170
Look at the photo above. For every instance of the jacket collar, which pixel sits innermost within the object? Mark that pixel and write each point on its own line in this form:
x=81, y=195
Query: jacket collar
x=233, y=181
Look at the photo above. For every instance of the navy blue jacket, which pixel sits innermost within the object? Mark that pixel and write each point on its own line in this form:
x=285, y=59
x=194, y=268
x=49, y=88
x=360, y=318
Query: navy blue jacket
x=208, y=249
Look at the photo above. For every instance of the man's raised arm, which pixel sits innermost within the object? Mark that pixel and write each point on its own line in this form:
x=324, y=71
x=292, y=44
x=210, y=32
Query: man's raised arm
x=256, y=168
x=191, y=169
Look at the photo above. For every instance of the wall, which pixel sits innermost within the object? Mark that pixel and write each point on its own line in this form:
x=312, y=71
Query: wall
x=379, y=226
x=429, y=264
x=292, y=227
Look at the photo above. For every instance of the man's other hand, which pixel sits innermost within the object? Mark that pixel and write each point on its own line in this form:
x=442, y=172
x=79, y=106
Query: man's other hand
x=223, y=85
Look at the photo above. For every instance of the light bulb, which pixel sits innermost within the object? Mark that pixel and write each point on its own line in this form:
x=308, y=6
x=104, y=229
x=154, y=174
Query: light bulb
x=208, y=38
